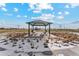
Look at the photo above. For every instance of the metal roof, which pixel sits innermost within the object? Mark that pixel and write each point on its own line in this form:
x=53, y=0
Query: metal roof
x=39, y=23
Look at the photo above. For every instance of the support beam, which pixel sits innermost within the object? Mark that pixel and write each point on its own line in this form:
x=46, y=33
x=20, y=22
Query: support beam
x=49, y=30
x=45, y=29
x=32, y=29
x=28, y=29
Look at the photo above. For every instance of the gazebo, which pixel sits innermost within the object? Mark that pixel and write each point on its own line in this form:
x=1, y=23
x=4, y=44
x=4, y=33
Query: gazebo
x=38, y=23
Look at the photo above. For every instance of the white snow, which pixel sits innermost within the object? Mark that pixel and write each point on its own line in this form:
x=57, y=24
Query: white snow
x=15, y=51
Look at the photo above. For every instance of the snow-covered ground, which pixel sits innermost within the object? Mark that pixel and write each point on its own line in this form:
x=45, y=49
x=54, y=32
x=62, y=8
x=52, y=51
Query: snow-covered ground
x=60, y=45
x=24, y=48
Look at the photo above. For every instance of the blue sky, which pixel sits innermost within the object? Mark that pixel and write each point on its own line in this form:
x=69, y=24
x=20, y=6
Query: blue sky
x=19, y=13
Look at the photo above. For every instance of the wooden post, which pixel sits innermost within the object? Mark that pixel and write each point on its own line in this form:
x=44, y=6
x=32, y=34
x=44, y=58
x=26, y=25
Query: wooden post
x=45, y=29
x=32, y=29
x=49, y=30
x=28, y=29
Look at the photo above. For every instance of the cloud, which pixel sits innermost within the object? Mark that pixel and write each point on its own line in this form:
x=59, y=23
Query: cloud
x=45, y=6
x=2, y=5
x=8, y=14
x=60, y=13
x=73, y=5
x=60, y=17
x=22, y=3
x=25, y=16
x=4, y=9
x=66, y=12
x=48, y=15
x=36, y=11
x=37, y=7
x=67, y=6
x=45, y=17
x=15, y=9
x=31, y=5
x=18, y=16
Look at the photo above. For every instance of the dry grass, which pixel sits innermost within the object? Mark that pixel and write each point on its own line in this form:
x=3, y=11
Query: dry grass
x=67, y=37
x=12, y=30
x=64, y=33
x=25, y=30
x=65, y=30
